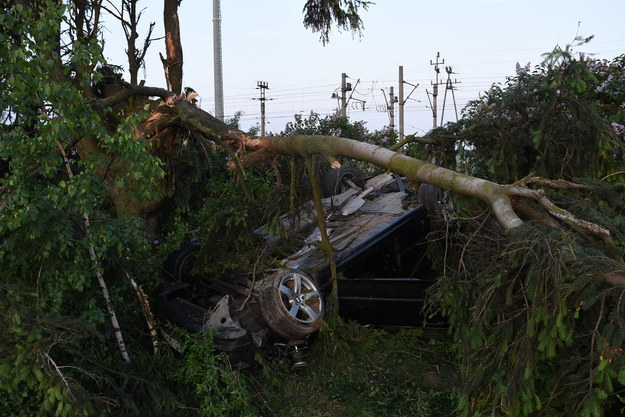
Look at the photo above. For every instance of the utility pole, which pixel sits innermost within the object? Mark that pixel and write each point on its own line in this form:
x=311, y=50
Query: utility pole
x=344, y=100
x=345, y=87
x=401, y=103
x=262, y=86
x=390, y=106
x=402, y=100
x=435, y=88
x=218, y=67
x=391, y=112
x=449, y=85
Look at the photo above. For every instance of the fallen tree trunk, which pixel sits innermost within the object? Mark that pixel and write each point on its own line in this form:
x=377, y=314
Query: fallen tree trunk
x=497, y=196
x=503, y=200
x=265, y=150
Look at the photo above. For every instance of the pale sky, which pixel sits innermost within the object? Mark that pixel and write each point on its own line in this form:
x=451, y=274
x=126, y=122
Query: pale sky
x=481, y=40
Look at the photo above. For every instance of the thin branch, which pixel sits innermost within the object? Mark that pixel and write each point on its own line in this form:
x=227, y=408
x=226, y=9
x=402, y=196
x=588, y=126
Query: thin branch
x=325, y=244
x=544, y=182
x=145, y=306
x=57, y=370
x=413, y=139
x=582, y=226
x=592, y=342
x=94, y=259
x=612, y=174
x=130, y=90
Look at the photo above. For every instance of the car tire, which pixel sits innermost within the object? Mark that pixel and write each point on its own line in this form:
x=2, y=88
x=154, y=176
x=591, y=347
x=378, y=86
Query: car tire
x=291, y=304
x=179, y=264
x=431, y=196
x=435, y=201
x=336, y=180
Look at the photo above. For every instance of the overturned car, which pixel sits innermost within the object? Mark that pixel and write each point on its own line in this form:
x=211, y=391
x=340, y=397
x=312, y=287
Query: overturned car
x=378, y=232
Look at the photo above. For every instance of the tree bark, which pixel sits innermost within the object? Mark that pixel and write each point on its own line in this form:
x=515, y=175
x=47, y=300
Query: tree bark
x=131, y=34
x=496, y=195
x=172, y=64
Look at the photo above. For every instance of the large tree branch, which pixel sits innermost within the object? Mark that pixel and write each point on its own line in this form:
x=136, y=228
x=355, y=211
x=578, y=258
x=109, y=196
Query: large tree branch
x=497, y=196
x=413, y=139
x=130, y=90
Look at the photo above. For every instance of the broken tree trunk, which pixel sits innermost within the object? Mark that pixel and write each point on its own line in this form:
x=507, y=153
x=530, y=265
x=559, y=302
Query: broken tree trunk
x=173, y=47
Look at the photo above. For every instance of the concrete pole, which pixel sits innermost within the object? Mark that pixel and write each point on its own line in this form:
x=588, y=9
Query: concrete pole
x=262, y=86
x=401, y=103
x=344, y=95
x=391, y=107
x=434, y=105
x=218, y=66
x=444, y=102
x=435, y=89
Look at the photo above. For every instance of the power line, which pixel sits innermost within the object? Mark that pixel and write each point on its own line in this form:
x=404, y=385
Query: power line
x=315, y=97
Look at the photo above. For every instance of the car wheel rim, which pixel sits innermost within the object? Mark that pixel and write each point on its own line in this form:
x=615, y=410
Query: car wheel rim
x=300, y=297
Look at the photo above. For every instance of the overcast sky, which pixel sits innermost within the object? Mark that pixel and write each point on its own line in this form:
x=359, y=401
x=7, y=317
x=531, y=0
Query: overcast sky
x=481, y=40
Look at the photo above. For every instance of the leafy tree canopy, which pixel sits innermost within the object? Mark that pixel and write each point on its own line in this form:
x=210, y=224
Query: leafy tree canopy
x=539, y=330
x=562, y=119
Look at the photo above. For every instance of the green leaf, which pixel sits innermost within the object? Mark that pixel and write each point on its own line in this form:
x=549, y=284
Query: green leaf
x=621, y=375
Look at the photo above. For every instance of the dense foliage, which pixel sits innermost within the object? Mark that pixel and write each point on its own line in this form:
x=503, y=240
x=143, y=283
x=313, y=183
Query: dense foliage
x=540, y=332
x=60, y=230
x=562, y=119
x=55, y=211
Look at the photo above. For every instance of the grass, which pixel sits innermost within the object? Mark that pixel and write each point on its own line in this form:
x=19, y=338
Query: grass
x=360, y=371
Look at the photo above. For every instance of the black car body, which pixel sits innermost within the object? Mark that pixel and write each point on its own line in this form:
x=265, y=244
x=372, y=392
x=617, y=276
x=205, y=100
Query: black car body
x=379, y=237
